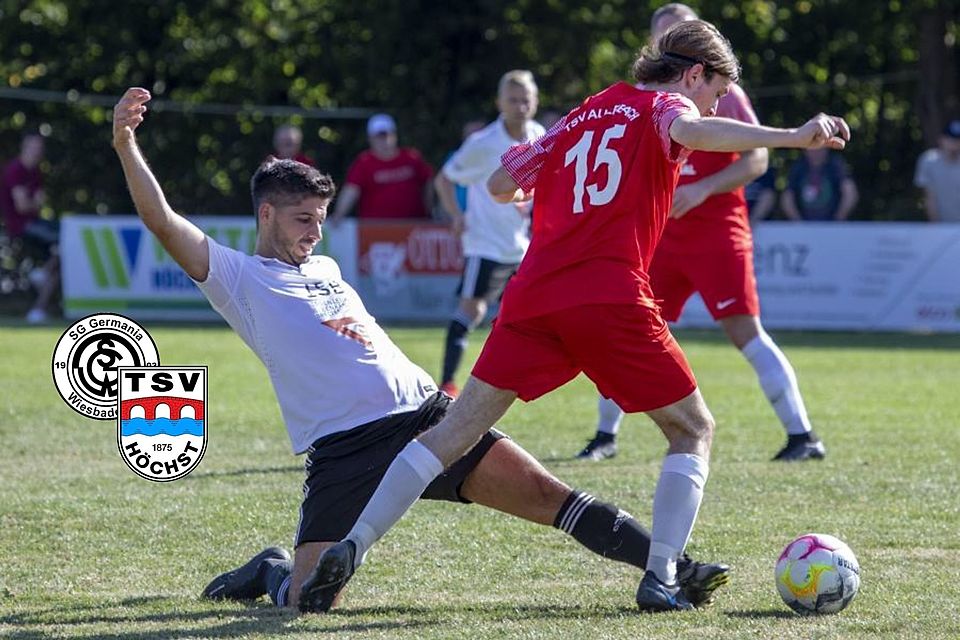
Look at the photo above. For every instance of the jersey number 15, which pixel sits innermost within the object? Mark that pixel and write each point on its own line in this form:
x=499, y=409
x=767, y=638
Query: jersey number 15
x=577, y=155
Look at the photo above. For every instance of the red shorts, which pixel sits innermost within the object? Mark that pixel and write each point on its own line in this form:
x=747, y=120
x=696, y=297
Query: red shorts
x=724, y=279
x=627, y=350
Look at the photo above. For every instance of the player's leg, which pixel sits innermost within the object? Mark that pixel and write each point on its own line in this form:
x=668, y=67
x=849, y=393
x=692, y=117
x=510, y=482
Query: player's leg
x=637, y=362
x=670, y=280
x=499, y=474
x=470, y=312
x=516, y=362
x=729, y=288
x=603, y=445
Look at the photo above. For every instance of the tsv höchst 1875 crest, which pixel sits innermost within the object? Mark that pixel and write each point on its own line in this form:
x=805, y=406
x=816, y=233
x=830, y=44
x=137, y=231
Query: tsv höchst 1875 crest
x=162, y=423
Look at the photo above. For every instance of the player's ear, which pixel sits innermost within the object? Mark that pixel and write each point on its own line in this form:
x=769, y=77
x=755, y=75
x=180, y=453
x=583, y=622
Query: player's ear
x=265, y=212
x=693, y=74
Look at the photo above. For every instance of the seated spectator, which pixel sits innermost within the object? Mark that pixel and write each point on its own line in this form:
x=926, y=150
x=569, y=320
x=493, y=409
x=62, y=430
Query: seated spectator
x=386, y=181
x=287, y=141
x=938, y=174
x=761, y=195
x=21, y=199
x=819, y=188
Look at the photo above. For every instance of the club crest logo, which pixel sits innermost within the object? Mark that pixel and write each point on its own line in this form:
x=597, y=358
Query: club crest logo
x=162, y=420
x=87, y=356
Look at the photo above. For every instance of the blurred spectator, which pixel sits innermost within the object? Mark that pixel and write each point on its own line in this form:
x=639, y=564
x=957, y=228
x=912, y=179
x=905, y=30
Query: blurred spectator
x=938, y=174
x=819, y=188
x=287, y=142
x=386, y=181
x=21, y=198
x=761, y=195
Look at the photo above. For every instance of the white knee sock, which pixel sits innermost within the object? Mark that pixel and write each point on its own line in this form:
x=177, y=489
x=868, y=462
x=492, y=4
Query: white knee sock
x=779, y=382
x=407, y=477
x=675, y=506
x=609, y=416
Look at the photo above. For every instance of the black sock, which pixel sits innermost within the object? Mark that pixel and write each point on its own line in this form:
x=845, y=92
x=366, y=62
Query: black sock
x=277, y=577
x=456, y=343
x=604, y=529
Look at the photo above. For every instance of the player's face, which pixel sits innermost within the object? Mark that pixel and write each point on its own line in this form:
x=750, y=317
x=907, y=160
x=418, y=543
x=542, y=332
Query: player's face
x=517, y=104
x=293, y=230
x=706, y=93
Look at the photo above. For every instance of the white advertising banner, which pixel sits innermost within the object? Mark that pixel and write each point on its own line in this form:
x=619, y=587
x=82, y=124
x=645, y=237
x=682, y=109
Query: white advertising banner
x=113, y=264
x=858, y=276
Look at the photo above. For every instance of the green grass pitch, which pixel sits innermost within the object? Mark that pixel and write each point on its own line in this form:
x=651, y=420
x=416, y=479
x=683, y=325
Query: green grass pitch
x=89, y=550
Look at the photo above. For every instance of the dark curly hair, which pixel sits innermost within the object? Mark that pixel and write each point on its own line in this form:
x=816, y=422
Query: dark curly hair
x=281, y=182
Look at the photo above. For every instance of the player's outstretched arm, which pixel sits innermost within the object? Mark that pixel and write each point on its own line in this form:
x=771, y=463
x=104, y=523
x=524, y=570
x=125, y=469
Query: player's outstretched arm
x=186, y=243
x=724, y=134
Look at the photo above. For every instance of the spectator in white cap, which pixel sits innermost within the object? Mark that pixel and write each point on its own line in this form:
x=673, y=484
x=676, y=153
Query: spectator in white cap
x=386, y=181
x=938, y=174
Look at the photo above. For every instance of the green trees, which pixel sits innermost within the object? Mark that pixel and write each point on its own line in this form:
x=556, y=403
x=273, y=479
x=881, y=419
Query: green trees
x=889, y=66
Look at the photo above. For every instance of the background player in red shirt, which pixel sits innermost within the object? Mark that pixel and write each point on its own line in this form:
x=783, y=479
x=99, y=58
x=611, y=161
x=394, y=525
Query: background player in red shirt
x=707, y=247
x=581, y=300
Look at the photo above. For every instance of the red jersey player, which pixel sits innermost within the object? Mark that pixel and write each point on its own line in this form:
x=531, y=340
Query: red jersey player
x=707, y=247
x=581, y=300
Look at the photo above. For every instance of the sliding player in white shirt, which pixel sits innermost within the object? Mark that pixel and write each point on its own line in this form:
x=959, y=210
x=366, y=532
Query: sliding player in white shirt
x=350, y=399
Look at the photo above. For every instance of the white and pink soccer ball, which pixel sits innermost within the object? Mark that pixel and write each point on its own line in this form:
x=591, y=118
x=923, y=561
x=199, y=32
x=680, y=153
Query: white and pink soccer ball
x=817, y=573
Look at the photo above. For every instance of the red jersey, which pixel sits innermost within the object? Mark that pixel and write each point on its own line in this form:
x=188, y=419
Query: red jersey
x=723, y=217
x=604, y=177
x=390, y=188
x=16, y=175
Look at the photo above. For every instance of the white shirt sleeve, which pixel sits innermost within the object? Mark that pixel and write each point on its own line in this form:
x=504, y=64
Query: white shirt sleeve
x=226, y=265
x=469, y=164
x=921, y=177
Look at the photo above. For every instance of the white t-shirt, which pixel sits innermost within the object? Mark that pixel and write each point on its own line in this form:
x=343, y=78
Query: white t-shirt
x=494, y=231
x=942, y=178
x=332, y=366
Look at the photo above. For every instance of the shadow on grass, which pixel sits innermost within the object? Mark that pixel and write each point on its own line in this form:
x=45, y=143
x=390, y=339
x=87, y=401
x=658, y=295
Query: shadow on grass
x=220, y=622
x=251, y=471
x=760, y=614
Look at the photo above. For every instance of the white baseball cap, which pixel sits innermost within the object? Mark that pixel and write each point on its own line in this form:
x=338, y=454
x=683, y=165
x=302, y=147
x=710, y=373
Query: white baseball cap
x=380, y=123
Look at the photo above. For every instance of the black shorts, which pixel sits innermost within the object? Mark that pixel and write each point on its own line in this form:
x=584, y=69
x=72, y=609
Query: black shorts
x=344, y=469
x=483, y=278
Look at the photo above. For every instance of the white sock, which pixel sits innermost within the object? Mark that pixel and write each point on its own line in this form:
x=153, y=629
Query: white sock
x=609, y=416
x=405, y=480
x=779, y=382
x=675, y=506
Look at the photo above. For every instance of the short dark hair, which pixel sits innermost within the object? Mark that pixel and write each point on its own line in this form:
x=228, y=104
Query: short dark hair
x=282, y=182
x=680, y=47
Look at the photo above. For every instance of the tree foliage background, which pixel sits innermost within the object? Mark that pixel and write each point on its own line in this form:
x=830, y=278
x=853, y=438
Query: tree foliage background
x=889, y=66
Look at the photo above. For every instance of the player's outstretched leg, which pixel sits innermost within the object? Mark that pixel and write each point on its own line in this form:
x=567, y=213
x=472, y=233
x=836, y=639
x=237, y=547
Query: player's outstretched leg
x=249, y=581
x=331, y=574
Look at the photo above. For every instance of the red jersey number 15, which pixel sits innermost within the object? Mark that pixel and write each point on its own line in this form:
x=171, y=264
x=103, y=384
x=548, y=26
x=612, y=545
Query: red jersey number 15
x=577, y=154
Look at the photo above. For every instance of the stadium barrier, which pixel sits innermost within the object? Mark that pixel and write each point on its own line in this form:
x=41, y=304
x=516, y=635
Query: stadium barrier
x=854, y=276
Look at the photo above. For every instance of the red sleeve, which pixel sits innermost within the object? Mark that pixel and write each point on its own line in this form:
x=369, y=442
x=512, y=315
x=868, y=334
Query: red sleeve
x=523, y=161
x=736, y=106
x=358, y=173
x=667, y=107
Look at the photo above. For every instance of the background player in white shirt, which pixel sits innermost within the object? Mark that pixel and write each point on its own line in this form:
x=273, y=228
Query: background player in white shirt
x=494, y=236
x=350, y=399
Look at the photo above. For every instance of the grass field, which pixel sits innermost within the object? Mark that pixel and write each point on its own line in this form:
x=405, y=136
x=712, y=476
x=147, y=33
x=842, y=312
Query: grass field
x=89, y=550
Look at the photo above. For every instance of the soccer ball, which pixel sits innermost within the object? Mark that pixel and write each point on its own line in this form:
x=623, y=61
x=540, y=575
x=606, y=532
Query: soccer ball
x=817, y=573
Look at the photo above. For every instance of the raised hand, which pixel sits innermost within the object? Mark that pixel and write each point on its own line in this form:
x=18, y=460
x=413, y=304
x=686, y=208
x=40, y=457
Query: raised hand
x=824, y=130
x=128, y=114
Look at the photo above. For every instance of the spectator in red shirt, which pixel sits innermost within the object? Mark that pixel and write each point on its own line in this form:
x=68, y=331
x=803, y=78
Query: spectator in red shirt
x=287, y=141
x=21, y=198
x=386, y=181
